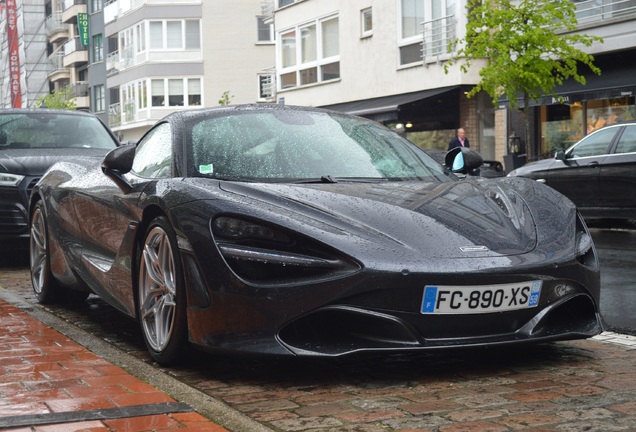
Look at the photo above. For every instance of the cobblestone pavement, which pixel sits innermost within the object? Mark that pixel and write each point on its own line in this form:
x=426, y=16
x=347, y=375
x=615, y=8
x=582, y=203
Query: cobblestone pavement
x=585, y=385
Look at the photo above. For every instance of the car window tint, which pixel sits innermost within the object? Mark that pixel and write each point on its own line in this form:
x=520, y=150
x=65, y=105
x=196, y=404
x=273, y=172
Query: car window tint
x=153, y=157
x=595, y=144
x=627, y=142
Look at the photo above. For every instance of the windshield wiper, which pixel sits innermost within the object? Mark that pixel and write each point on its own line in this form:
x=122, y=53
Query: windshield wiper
x=323, y=179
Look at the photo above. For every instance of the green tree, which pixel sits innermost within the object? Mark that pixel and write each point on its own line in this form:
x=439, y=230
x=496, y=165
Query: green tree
x=528, y=45
x=59, y=99
x=226, y=98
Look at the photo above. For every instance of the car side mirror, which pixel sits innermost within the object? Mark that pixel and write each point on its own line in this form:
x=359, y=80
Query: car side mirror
x=463, y=160
x=560, y=155
x=118, y=162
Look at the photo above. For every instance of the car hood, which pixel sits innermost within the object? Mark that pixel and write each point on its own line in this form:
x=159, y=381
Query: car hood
x=440, y=220
x=36, y=161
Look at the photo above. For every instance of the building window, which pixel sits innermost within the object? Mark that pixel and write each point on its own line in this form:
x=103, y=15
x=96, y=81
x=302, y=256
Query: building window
x=366, y=22
x=158, y=93
x=426, y=28
x=265, y=29
x=175, y=34
x=310, y=54
x=97, y=5
x=194, y=91
x=192, y=34
x=266, y=87
x=142, y=96
x=282, y=3
x=177, y=91
x=141, y=37
x=98, y=98
x=98, y=48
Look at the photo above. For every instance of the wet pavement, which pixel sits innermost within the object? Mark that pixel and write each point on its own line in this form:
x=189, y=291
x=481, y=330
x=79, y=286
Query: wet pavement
x=566, y=386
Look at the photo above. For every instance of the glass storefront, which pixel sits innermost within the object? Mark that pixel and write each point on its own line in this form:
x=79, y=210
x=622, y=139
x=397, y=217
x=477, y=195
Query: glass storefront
x=563, y=125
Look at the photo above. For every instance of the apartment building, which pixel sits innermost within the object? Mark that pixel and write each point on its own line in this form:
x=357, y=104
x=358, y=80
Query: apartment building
x=24, y=65
x=161, y=56
x=67, y=34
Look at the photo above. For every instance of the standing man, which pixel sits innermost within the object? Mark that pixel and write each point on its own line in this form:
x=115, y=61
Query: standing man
x=459, y=141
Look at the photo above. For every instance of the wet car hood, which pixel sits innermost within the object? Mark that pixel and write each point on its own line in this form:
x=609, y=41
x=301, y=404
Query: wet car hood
x=441, y=220
x=36, y=161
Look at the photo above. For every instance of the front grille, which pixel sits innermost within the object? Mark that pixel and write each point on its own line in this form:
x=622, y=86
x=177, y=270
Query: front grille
x=13, y=219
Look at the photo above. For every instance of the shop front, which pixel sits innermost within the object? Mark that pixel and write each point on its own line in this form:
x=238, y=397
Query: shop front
x=577, y=109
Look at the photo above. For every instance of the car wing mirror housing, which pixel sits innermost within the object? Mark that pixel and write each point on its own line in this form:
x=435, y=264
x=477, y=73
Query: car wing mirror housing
x=118, y=162
x=463, y=160
x=559, y=155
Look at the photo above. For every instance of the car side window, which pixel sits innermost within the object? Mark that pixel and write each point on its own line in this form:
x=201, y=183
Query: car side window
x=627, y=142
x=153, y=157
x=595, y=144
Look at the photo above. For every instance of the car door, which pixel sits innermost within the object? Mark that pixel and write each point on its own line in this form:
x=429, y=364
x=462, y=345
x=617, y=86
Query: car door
x=618, y=175
x=110, y=217
x=577, y=175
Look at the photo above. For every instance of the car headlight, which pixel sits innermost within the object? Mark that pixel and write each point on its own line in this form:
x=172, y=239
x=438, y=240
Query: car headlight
x=10, y=180
x=265, y=254
x=584, y=247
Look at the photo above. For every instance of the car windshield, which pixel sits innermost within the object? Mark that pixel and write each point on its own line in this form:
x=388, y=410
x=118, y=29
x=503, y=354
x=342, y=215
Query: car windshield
x=33, y=130
x=304, y=146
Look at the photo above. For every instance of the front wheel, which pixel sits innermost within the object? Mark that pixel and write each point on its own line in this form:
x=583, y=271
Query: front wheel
x=162, y=303
x=44, y=285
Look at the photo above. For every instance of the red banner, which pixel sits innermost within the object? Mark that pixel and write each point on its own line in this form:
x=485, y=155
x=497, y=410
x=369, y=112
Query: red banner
x=14, y=53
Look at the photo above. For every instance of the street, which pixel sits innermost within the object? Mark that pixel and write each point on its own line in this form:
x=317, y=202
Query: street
x=617, y=253
x=566, y=385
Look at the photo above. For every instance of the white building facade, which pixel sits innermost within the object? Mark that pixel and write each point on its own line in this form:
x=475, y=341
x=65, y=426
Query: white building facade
x=171, y=55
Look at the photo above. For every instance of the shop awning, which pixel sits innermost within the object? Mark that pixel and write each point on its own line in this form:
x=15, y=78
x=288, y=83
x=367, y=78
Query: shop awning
x=616, y=80
x=387, y=107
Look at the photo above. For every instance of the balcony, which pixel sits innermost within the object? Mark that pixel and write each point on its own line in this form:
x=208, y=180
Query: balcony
x=59, y=71
x=74, y=53
x=56, y=29
x=437, y=34
x=80, y=93
x=602, y=11
x=112, y=63
x=71, y=9
x=115, y=9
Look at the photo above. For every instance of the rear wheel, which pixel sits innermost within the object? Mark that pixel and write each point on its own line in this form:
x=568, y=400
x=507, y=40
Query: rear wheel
x=162, y=303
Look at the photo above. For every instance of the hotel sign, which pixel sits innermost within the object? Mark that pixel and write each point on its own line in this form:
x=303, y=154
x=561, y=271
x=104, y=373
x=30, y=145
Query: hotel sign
x=82, y=28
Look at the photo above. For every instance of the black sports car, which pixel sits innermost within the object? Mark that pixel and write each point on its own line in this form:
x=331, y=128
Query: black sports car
x=297, y=231
x=31, y=140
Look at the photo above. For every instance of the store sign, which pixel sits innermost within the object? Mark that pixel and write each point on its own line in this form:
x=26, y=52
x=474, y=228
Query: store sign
x=14, y=54
x=82, y=28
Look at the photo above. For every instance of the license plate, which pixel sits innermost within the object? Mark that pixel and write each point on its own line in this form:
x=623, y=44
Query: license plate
x=453, y=299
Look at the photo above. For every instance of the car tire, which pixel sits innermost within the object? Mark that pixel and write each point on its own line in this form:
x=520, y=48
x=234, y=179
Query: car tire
x=161, y=293
x=47, y=289
x=44, y=284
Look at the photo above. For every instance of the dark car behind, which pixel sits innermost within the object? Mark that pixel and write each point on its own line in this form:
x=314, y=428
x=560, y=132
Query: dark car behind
x=598, y=174
x=31, y=140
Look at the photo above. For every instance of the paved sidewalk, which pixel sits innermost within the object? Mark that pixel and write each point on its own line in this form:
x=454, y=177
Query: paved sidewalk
x=50, y=383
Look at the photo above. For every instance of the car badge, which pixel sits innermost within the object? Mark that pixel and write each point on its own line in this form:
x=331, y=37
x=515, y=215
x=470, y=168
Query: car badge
x=474, y=248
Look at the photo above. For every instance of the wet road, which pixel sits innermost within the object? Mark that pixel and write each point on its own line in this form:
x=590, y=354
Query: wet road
x=617, y=254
